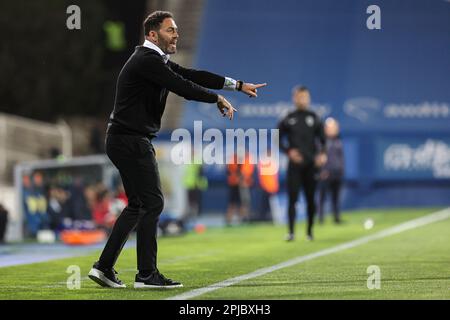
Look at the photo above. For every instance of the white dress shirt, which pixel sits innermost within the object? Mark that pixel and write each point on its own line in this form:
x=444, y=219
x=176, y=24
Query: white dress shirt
x=153, y=46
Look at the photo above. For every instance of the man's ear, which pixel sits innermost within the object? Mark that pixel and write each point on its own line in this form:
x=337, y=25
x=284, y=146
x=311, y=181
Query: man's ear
x=153, y=35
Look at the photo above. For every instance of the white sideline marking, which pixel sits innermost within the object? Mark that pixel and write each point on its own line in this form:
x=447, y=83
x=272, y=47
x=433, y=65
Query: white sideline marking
x=412, y=224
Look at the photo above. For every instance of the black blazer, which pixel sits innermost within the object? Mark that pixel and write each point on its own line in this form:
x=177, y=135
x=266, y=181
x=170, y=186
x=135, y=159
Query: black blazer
x=142, y=88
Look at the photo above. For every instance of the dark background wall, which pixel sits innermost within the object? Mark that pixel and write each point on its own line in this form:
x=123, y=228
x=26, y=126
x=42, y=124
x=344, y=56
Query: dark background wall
x=48, y=71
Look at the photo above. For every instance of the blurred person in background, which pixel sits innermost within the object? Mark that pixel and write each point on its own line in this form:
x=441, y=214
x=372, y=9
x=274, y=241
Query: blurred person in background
x=247, y=170
x=269, y=188
x=35, y=203
x=121, y=194
x=78, y=201
x=331, y=174
x=3, y=223
x=234, y=196
x=240, y=180
x=118, y=202
x=90, y=193
x=101, y=210
x=32, y=223
x=78, y=214
x=104, y=204
x=57, y=199
x=195, y=183
x=141, y=93
x=301, y=131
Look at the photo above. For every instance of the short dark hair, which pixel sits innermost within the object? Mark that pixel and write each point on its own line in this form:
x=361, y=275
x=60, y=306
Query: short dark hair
x=154, y=20
x=300, y=88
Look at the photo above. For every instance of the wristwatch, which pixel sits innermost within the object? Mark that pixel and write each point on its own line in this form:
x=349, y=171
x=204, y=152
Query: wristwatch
x=239, y=84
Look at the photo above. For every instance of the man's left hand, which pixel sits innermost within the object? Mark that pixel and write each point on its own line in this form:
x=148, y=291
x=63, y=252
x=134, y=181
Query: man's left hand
x=321, y=159
x=225, y=108
x=251, y=89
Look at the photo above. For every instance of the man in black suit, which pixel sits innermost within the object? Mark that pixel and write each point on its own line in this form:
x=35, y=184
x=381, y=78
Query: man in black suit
x=303, y=140
x=142, y=88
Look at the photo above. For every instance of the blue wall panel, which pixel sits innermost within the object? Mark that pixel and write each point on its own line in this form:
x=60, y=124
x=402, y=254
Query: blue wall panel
x=387, y=87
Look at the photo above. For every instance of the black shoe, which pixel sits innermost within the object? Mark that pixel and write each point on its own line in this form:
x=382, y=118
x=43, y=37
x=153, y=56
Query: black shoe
x=154, y=281
x=105, y=277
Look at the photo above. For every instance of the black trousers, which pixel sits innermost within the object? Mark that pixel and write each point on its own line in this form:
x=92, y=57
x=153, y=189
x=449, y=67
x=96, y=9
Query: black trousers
x=301, y=177
x=135, y=159
x=332, y=186
x=194, y=204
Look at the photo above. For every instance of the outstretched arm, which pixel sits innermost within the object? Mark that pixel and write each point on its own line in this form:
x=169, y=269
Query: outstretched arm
x=214, y=81
x=203, y=78
x=155, y=70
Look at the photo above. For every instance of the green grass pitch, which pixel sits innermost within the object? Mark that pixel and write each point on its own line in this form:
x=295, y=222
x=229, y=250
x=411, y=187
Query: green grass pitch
x=414, y=264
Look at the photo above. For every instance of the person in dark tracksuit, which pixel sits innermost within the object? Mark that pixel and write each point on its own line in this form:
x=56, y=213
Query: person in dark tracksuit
x=301, y=135
x=331, y=174
x=142, y=88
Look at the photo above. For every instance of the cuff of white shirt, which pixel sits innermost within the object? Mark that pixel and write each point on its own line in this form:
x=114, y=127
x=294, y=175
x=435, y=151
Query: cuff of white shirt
x=229, y=84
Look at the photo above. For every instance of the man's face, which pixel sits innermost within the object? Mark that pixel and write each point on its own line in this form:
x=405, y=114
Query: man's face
x=301, y=99
x=167, y=36
x=331, y=128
